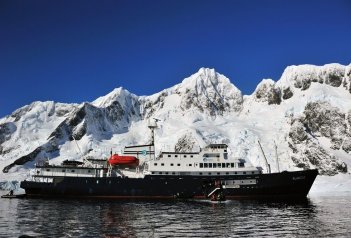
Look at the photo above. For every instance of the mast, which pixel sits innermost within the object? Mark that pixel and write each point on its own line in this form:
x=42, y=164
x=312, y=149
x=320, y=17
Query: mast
x=152, y=126
x=264, y=156
x=276, y=156
x=81, y=153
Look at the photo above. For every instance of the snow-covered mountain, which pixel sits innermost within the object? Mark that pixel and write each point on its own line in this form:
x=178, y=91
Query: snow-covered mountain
x=307, y=113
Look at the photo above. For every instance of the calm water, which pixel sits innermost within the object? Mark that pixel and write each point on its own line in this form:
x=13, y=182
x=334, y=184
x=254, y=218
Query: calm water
x=314, y=217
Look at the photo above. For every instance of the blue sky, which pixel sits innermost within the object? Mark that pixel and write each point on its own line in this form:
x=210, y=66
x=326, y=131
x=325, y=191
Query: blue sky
x=75, y=51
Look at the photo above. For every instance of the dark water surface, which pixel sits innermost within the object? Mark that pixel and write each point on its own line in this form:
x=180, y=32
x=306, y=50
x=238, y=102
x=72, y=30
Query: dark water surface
x=313, y=217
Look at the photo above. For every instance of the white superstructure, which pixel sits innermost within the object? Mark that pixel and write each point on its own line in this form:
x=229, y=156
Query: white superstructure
x=212, y=160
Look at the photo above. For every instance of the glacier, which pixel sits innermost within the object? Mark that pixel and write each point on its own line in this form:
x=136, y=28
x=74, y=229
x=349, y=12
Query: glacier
x=306, y=113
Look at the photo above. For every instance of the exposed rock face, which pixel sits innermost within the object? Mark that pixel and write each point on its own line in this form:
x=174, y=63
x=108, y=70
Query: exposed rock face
x=151, y=105
x=267, y=92
x=287, y=93
x=6, y=129
x=303, y=76
x=210, y=92
x=320, y=119
x=185, y=143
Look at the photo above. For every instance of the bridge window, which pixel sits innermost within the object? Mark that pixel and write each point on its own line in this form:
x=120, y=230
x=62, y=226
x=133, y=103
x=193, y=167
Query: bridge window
x=215, y=165
x=210, y=165
x=240, y=165
x=47, y=169
x=244, y=172
x=232, y=165
x=63, y=170
x=72, y=170
x=223, y=165
x=201, y=165
x=219, y=165
x=206, y=165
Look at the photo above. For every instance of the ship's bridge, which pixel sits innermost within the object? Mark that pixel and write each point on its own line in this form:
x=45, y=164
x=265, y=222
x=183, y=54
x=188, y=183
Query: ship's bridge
x=216, y=147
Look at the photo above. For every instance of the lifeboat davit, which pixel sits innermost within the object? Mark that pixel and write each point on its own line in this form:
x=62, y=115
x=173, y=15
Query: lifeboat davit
x=117, y=159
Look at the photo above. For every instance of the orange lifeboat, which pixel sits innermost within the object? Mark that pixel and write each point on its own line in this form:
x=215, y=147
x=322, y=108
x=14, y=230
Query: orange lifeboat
x=123, y=160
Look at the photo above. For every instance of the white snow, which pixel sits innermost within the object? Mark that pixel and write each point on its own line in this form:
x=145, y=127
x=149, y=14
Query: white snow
x=245, y=121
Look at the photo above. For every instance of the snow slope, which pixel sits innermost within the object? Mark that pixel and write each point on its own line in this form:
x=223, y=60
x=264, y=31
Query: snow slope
x=306, y=113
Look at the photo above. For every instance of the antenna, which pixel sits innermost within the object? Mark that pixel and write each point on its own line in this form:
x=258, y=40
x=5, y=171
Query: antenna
x=267, y=165
x=276, y=156
x=85, y=160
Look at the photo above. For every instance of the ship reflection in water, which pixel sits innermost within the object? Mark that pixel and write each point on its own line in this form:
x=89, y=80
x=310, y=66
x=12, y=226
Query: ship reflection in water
x=314, y=217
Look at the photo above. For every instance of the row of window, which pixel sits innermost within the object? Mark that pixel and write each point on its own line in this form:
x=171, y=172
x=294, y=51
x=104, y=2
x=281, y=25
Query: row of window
x=171, y=164
x=220, y=165
x=209, y=173
x=184, y=156
x=210, y=165
x=63, y=171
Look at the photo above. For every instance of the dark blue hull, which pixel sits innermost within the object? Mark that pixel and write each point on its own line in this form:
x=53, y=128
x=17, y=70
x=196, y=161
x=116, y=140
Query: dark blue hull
x=276, y=185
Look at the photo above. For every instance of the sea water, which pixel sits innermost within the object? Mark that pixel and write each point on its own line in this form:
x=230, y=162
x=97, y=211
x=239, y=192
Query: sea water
x=318, y=216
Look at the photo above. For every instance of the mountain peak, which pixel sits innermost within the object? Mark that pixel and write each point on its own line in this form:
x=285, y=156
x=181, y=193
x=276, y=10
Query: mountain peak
x=205, y=78
x=116, y=94
x=206, y=71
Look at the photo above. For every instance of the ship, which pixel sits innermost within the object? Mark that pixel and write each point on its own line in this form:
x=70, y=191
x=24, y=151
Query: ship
x=210, y=173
